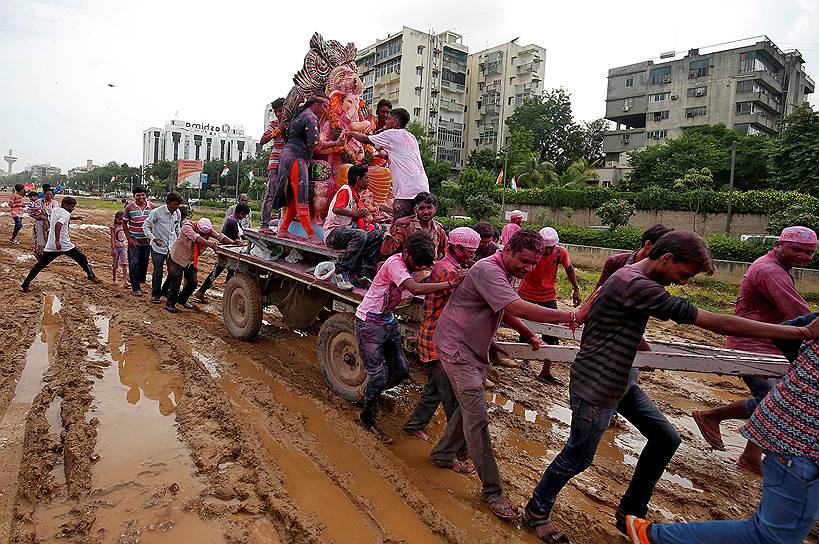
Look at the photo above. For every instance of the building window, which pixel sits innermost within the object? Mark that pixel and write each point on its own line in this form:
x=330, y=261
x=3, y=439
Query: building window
x=660, y=75
x=659, y=97
x=510, y=100
x=628, y=103
x=387, y=50
x=745, y=108
x=698, y=68
x=660, y=115
x=748, y=129
x=695, y=112
x=419, y=70
x=367, y=96
x=656, y=134
x=418, y=91
x=629, y=82
x=420, y=49
x=697, y=91
x=393, y=66
x=416, y=112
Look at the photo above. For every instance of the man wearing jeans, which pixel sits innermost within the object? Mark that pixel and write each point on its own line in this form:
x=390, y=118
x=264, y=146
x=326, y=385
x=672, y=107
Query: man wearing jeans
x=376, y=327
x=600, y=375
x=785, y=426
x=59, y=243
x=465, y=330
x=361, y=248
x=139, y=249
x=162, y=229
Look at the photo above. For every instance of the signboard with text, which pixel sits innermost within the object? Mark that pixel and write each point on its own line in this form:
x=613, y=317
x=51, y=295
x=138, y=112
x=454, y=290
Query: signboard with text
x=188, y=173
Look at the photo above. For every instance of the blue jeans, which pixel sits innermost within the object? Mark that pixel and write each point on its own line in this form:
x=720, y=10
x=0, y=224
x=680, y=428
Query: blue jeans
x=18, y=225
x=382, y=355
x=138, y=265
x=589, y=422
x=759, y=388
x=786, y=514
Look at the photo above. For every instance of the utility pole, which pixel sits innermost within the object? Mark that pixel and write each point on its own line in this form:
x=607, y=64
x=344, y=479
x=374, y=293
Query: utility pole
x=731, y=186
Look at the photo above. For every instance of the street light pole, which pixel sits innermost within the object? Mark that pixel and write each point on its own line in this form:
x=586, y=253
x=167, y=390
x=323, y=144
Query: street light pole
x=503, y=187
x=731, y=186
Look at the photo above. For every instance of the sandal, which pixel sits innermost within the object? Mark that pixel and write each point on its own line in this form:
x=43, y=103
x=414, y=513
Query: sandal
x=505, y=509
x=549, y=380
x=461, y=468
x=713, y=439
x=545, y=529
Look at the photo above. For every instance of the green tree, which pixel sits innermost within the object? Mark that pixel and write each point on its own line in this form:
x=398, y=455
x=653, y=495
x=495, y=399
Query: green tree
x=593, y=134
x=578, y=175
x=794, y=157
x=557, y=136
x=484, y=158
x=697, y=183
x=480, y=207
x=616, y=213
x=798, y=214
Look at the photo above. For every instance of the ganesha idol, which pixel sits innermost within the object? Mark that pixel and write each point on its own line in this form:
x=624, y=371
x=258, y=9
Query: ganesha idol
x=347, y=112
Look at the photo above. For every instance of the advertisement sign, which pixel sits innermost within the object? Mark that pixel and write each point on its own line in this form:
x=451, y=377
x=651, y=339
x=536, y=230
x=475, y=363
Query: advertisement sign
x=188, y=173
x=203, y=179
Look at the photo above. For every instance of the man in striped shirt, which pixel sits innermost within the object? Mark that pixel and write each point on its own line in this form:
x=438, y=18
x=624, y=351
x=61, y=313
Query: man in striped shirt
x=600, y=373
x=139, y=246
x=785, y=426
x=275, y=134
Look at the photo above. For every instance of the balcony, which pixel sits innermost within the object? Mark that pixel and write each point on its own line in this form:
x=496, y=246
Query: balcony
x=452, y=106
x=767, y=122
x=761, y=98
x=619, y=141
x=810, y=86
x=452, y=86
x=528, y=67
x=387, y=78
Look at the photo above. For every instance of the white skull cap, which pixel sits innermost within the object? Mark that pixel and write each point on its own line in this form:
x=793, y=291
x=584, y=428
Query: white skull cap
x=550, y=236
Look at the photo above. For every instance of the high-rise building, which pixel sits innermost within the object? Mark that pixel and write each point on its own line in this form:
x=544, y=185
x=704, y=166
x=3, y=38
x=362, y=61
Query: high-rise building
x=196, y=141
x=500, y=79
x=89, y=165
x=41, y=171
x=424, y=73
x=749, y=85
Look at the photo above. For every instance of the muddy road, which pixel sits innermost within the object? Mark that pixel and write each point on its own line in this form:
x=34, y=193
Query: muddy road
x=123, y=423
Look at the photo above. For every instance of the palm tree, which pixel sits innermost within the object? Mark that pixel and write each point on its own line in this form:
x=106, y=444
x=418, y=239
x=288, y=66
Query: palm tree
x=532, y=169
x=578, y=175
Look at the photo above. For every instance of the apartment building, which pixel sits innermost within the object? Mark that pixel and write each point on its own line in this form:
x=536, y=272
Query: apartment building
x=500, y=79
x=424, y=73
x=749, y=85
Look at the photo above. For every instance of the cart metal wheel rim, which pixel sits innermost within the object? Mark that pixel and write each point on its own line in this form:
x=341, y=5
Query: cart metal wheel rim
x=238, y=307
x=342, y=355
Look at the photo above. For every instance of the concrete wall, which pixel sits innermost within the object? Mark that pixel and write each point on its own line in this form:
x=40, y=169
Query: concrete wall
x=807, y=281
x=712, y=223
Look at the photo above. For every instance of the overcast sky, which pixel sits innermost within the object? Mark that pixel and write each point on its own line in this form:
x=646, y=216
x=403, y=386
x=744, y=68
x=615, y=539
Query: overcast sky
x=221, y=62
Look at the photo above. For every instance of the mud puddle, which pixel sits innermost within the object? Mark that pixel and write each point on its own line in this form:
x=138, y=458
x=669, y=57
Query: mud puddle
x=310, y=488
x=143, y=476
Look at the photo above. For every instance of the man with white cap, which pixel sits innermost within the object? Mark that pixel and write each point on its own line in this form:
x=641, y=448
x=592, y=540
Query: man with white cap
x=194, y=238
x=767, y=293
x=540, y=287
x=463, y=242
x=509, y=230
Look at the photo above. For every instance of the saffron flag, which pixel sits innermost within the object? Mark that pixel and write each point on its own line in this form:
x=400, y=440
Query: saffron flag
x=225, y=171
x=500, y=178
x=513, y=185
x=250, y=176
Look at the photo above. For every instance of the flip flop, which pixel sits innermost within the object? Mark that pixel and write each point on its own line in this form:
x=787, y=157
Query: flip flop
x=750, y=468
x=505, y=509
x=549, y=380
x=713, y=439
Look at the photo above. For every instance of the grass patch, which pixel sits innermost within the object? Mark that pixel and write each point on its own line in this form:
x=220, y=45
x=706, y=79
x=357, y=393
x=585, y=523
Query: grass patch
x=115, y=205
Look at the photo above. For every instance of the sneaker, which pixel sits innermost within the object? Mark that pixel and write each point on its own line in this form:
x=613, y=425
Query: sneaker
x=171, y=309
x=638, y=530
x=188, y=306
x=342, y=281
x=363, y=282
x=138, y=293
x=200, y=296
x=15, y=242
x=155, y=300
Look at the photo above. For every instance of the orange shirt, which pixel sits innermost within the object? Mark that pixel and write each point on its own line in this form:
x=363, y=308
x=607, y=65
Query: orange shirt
x=539, y=284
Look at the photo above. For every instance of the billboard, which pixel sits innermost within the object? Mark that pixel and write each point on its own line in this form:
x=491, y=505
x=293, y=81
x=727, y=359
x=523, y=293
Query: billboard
x=188, y=173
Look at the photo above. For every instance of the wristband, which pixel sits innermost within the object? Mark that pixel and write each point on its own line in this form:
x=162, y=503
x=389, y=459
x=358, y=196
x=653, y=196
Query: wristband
x=804, y=332
x=573, y=322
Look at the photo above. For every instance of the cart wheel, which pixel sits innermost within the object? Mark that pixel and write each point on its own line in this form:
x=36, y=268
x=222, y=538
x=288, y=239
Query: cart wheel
x=242, y=307
x=338, y=355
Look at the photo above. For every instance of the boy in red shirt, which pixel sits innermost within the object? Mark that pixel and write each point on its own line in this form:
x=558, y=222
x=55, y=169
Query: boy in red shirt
x=16, y=205
x=539, y=287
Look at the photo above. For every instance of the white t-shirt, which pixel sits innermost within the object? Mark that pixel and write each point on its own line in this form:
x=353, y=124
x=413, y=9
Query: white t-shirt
x=408, y=175
x=61, y=216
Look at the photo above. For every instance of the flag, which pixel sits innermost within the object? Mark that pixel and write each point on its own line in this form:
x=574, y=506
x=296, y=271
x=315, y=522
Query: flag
x=113, y=179
x=225, y=171
x=250, y=176
x=513, y=185
x=500, y=178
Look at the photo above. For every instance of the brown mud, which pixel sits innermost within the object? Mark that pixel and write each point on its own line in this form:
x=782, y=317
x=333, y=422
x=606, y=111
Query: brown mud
x=123, y=423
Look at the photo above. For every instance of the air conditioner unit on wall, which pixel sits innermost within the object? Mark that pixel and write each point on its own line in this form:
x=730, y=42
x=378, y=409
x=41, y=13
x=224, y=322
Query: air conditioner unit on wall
x=666, y=79
x=674, y=97
x=699, y=92
x=626, y=107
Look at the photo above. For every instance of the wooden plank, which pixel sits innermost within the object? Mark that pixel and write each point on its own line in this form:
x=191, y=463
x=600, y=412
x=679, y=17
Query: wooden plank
x=302, y=244
x=724, y=364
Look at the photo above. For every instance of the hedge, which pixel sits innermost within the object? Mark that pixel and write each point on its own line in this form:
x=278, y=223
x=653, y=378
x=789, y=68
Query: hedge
x=723, y=246
x=653, y=198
